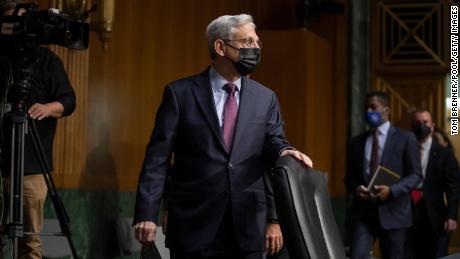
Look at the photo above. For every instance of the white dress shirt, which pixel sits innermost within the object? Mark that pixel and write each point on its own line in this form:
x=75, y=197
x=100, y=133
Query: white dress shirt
x=424, y=157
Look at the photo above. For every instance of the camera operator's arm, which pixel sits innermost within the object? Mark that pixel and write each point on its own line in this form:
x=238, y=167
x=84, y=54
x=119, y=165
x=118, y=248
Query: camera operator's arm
x=40, y=111
x=62, y=101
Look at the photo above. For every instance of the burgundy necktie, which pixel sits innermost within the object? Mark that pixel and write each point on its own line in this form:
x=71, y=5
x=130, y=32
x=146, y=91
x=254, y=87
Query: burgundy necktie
x=230, y=115
x=374, y=153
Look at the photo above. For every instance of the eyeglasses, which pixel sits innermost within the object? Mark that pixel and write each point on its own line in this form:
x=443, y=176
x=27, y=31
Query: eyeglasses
x=248, y=43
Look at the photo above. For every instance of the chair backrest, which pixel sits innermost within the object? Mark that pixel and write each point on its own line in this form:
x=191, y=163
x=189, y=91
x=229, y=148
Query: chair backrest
x=305, y=212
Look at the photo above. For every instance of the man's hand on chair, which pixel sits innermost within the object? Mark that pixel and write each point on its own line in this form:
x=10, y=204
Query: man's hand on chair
x=299, y=156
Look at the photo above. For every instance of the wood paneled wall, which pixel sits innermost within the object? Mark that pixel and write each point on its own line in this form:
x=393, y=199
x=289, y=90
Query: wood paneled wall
x=304, y=78
x=70, y=144
x=155, y=42
x=301, y=75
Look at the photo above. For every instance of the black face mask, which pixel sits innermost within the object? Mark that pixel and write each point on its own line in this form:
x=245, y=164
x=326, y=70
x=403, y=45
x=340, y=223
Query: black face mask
x=249, y=59
x=421, y=131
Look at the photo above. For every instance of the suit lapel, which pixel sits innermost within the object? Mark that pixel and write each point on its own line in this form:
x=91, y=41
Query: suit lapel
x=203, y=95
x=387, y=146
x=245, y=106
x=362, y=154
x=431, y=158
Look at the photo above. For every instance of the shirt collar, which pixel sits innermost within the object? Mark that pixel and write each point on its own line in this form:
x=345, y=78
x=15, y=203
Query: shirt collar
x=384, y=128
x=427, y=144
x=218, y=81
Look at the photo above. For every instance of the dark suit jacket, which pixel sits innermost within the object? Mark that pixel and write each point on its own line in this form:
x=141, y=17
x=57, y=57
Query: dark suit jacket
x=442, y=175
x=401, y=155
x=207, y=179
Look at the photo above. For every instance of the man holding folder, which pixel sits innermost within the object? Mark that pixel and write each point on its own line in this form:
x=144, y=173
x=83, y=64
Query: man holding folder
x=385, y=211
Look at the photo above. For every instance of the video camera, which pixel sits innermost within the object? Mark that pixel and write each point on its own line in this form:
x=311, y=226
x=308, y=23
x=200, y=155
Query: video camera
x=34, y=28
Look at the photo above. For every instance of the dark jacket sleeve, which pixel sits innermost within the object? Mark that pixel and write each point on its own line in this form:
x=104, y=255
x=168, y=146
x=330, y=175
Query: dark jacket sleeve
x=167, y=187
x=412, y=168
x=61, y=89
x=274, y=144
x=452, y=184
x=275, y=138
x=272, y=216
x=353, y=168
x=157, y=159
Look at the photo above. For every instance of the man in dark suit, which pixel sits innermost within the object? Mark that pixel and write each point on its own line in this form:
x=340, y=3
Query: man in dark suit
x=385, y=212
x=434, y=217
x=221, y=127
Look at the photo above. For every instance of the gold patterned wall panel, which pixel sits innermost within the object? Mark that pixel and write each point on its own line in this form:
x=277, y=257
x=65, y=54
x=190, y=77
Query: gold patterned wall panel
x=410, y=55
x=410, y=36
x=408, y=94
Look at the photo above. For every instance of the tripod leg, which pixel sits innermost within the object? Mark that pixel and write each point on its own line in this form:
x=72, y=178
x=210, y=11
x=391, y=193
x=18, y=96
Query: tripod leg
x=59, y=208
x=15, y=221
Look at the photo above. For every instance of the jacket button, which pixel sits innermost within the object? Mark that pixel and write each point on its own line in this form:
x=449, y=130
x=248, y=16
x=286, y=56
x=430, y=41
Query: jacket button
x=230, y=166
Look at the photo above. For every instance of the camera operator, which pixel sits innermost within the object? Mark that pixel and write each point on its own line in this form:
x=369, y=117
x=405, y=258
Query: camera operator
x=51, y=96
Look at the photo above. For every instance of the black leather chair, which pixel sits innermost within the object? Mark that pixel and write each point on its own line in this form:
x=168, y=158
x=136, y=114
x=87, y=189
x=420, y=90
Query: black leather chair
x=453, y=256
x=150, y=252
x=305, y=212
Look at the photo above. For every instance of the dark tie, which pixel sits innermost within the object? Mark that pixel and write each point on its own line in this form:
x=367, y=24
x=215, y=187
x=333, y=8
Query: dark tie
x=230, y=115
x=375, y=152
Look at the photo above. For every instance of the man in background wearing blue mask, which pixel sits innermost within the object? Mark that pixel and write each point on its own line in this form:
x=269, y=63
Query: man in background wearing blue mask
x=434, y=217
x=384, y=212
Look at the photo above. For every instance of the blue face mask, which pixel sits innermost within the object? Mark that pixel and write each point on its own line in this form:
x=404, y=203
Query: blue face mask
x=374, y=119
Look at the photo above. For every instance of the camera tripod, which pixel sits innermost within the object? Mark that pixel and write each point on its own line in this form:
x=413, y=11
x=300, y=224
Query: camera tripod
x=22, y=125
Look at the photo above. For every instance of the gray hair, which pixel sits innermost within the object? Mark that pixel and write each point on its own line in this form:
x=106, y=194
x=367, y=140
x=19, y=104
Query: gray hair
x=222, y=28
